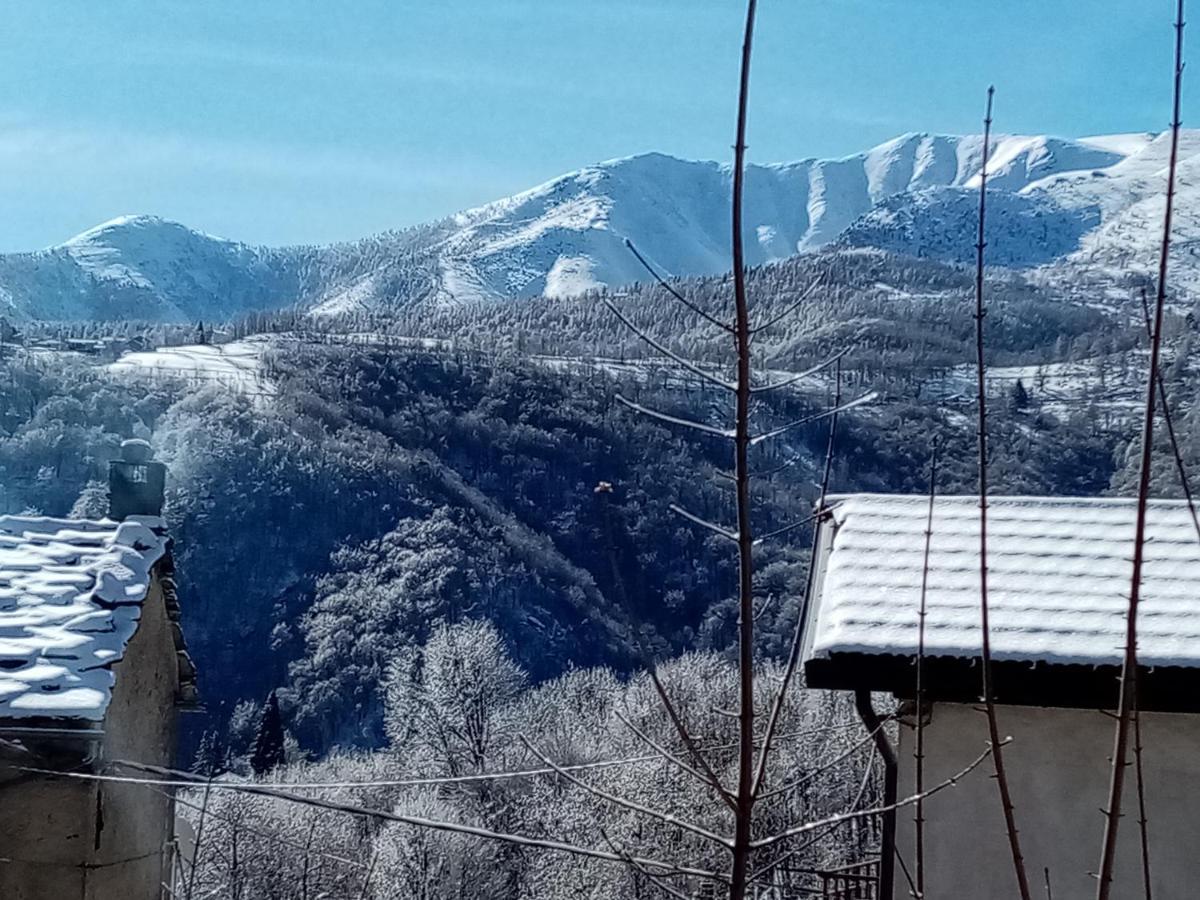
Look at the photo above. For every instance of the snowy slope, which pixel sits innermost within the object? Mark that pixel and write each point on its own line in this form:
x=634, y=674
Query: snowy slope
x=236, y=365
x=1023, y=230
x=1102, y=220
x=1130, y=197
x=567, y=235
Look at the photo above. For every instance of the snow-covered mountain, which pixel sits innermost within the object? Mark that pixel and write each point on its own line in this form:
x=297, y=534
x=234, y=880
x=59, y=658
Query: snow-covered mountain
x=1058, y=205
x=569, y=234
x=1107, y=219
x=143, y=267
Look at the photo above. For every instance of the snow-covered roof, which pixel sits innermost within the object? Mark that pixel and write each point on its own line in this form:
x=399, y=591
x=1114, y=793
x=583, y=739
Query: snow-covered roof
x=1059, y=576
x=71, y=596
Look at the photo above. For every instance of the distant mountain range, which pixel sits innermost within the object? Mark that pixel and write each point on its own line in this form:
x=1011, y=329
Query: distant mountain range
x=1058, y=206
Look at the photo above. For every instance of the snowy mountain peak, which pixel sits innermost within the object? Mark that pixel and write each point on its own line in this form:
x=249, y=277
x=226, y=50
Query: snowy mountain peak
x=140, y=250
x=118, y=225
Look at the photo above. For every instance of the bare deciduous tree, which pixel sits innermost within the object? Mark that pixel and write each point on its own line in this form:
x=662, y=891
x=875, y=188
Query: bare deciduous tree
x=1129, y=662
x=985, y=649
x=751, y=753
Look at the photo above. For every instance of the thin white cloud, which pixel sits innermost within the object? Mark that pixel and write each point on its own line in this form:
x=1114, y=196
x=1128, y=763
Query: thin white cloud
x=230, y=55
x=30, y=149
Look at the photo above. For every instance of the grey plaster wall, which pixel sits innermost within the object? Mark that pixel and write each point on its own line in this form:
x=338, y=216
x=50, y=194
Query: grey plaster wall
x=1059, y=774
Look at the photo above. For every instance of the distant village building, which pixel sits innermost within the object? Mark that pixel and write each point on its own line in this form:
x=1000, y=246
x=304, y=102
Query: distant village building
x=92, y=671
x=1059, y=575
x=88, y=346
x=9, y=334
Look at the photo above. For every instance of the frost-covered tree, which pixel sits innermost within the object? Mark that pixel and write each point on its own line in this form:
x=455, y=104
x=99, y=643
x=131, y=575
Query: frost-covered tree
x=211, y=758
x=448, y=702
x=269, y=745
x=590, y=718
x=436, y=865
x=92, y=502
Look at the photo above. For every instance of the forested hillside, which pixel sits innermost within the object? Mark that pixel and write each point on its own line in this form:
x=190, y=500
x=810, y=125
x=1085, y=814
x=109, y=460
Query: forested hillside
x=385, y=484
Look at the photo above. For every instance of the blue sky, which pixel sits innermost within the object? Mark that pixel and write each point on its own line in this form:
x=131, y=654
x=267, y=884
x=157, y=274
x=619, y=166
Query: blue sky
x=306, y=122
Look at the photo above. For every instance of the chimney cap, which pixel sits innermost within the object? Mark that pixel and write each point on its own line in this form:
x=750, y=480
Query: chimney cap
x=136, y=450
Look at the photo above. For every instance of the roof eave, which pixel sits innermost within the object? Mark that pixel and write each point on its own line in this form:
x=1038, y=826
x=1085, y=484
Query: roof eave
x=1017, y=683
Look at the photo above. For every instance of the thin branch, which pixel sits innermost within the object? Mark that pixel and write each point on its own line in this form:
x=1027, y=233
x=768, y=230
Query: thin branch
x=630, y=805
x=795, y=851
x=688, y=740
x=875, y=811
x=775, y=320
x=825, y=767
x=985, y=650
x=670, y=354
x=796, y=376
x=674, y=420
x=765, y=474
x=769, y=473
x=793, y=661
x=1129, y=662
x=692, y=517
x=366, y=885
x=786, y=528
x=674, y=293
x=672, y=758
x=1143, y=827
x=744, y=805
x=1169, y=420
x=907, y=875
x=656, y=880
x=775, y=432
x=150, y=785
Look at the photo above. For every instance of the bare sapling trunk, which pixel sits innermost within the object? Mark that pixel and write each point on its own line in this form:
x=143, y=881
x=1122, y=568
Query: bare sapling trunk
x=1129, y=662
x=919, y=749
x=744, y=814
x=985, y=650
x=198, y=844
x=1143, y=823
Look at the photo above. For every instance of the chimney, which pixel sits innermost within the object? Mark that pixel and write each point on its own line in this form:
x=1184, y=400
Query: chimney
x=135, y=482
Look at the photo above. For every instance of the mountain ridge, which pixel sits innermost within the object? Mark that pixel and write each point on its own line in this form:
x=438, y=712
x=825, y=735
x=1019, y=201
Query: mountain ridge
x=1062, y=204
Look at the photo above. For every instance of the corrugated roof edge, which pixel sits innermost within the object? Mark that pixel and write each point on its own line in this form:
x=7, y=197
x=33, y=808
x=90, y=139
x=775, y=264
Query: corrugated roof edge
x=1062, y=683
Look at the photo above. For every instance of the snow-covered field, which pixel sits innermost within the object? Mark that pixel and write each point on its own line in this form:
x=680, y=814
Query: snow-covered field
x=237, y=365
x=666, y=373
x=1114, y=383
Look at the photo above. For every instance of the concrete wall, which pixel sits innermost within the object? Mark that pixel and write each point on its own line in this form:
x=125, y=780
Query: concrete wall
x=1059, y=774
x=136, y=822
x=80, y=840
x=45, y=834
